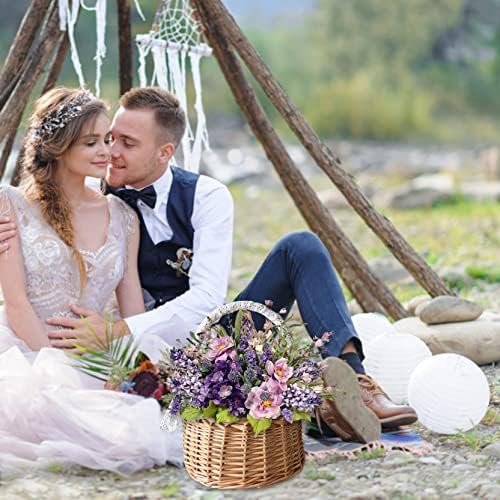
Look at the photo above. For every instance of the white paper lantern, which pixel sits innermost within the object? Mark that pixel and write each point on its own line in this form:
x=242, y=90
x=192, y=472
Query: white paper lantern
x=371, y=325
x=449, y=392
x=391, y=359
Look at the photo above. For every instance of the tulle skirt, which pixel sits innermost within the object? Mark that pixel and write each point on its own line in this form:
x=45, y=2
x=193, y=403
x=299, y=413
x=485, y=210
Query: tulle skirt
x=50, y=412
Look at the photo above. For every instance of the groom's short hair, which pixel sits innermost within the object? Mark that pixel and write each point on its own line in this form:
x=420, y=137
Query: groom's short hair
x=167, y=110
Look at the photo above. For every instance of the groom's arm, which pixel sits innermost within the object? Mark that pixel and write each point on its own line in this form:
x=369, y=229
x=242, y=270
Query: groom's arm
x=212, y=221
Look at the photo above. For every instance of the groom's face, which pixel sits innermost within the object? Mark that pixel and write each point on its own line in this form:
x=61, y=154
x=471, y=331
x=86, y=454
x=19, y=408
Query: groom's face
x=138, y=158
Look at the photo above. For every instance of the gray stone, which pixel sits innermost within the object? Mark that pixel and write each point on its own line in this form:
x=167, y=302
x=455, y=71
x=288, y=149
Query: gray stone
x=413, y=303
x=409, y=198
x=478, y=340
x=429, y=461
x=492, y=450
x=388, y=269
x=448, y=309
x=481, y=191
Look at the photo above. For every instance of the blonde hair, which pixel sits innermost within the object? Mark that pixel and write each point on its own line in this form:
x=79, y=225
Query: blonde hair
x=39, y=162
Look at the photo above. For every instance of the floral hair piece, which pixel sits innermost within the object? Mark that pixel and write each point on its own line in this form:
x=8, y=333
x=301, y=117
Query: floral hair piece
x=62, y=116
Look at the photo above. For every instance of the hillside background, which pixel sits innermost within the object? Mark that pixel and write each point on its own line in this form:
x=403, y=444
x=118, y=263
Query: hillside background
x=405, y=70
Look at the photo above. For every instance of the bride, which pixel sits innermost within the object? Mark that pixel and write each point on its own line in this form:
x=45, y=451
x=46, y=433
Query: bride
x=74, y=246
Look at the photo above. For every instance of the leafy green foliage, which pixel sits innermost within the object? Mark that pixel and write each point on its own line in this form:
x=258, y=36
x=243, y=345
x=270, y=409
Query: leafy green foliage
x=191, y=413
x=259, y=424
x=224, y=417
x=111, y=359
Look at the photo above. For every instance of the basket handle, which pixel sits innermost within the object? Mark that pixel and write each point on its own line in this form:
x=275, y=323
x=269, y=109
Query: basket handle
x=232, y=307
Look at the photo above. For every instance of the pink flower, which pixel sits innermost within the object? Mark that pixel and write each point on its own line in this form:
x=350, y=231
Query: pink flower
x=279, y=372
x=323, y=340
x=263, y=402
x=221, y=348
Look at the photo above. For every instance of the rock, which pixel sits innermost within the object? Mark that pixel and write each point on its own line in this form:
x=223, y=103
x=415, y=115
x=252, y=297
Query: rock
x=441, y=182
x=478, y=340
x=429, y=461
x=388, y=269
x=492, y=450
x=481, y=191
x=412, y=304
x=448, y=309
x=420, y=307
x=409, y=198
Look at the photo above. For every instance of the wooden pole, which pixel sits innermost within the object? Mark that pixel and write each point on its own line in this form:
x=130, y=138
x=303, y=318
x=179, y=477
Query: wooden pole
x=20, y=47
x=323, y=156
x=125, y=45
x=347, y=260
x=36, y=62
x=50, y=82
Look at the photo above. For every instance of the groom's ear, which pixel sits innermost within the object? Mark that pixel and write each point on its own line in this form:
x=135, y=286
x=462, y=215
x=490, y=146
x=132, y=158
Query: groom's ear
x=167, y=150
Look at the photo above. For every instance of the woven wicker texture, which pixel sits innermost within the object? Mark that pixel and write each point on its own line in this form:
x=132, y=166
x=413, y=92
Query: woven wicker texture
x=231, y=456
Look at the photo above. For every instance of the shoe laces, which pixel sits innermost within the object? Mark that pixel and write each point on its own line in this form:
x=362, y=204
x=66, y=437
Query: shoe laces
x=370, y=385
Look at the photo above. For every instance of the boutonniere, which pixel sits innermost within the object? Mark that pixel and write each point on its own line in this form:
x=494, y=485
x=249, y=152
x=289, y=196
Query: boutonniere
x=183, y=262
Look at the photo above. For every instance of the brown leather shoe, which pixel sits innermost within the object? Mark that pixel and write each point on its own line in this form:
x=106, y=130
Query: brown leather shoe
x=390, y=414
x=346, y=414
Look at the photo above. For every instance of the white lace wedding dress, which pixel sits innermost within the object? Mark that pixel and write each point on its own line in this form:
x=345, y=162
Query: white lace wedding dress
x=49, y=411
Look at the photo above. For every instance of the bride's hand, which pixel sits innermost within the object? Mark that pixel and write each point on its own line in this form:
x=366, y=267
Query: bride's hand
x=90, y=330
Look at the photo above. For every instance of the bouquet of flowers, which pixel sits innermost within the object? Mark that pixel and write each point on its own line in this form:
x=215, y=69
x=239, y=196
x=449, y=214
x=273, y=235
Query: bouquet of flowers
x=223, y=373
x=241, y=372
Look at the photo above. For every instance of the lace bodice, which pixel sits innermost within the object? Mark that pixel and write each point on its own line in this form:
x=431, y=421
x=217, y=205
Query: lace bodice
x=51, y=271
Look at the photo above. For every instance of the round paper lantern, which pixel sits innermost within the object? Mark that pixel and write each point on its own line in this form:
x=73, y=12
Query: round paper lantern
x=391, y=359
x=449, y=392
x=371, y=325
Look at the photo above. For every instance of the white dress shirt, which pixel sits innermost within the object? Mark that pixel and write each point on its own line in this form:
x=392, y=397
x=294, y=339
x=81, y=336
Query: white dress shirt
x=212, y=221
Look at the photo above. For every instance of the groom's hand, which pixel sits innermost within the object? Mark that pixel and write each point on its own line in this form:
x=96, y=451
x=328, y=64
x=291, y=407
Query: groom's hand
x=79, y=330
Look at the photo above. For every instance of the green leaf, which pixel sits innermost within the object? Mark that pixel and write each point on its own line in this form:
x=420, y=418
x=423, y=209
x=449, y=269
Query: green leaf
x=191, y=413
x=301, y=415
x=259, y=424
x=237, y=325
x=210, y=411
x=224, y=417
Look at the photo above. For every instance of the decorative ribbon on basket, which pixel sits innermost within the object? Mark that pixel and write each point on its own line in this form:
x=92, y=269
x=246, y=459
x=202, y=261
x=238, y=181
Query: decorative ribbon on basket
x=234, y=455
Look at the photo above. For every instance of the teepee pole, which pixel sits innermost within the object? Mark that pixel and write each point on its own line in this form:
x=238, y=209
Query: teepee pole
x=37, y=59
x=323, y=156
x=125, y=45
x=50, y=82
x=20, y=47
x=347, y=260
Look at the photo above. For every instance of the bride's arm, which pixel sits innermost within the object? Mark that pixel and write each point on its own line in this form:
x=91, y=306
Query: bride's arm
x=20, y=313
x=129, y=292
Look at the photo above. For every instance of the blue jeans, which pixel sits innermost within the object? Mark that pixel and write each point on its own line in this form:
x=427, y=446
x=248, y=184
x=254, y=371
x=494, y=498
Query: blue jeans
x=299, y=268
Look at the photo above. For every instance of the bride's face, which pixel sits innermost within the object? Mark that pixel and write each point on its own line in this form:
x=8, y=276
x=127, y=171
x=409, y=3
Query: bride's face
x=90, y=154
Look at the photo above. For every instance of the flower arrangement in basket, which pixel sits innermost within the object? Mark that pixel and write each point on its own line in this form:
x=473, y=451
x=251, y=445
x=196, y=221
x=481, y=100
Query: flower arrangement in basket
x=240, y=392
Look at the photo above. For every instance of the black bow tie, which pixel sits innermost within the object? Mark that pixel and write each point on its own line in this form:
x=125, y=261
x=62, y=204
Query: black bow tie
x=130, y=196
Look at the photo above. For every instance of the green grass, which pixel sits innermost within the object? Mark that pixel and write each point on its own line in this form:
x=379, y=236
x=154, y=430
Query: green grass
x=463, y=234
x=313, y=475
x=371, y=455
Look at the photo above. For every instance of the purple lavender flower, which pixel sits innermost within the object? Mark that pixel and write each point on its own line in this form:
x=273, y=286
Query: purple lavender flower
x=267, y=354
x=287, y=415
x=225, y=391
x=307, y=372
x=301, y=398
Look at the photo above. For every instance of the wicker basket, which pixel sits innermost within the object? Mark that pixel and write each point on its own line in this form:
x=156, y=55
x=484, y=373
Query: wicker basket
x=230, y=455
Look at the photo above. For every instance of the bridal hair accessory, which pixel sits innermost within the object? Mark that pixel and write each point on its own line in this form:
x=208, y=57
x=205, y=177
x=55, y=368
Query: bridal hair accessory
x=62, y=116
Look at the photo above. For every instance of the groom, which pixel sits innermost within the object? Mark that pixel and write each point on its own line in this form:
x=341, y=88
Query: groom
x=185, y=260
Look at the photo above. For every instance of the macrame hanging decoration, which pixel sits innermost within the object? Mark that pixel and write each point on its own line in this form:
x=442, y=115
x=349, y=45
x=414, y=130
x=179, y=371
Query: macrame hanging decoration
x=68, y=15
x=175, y=35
